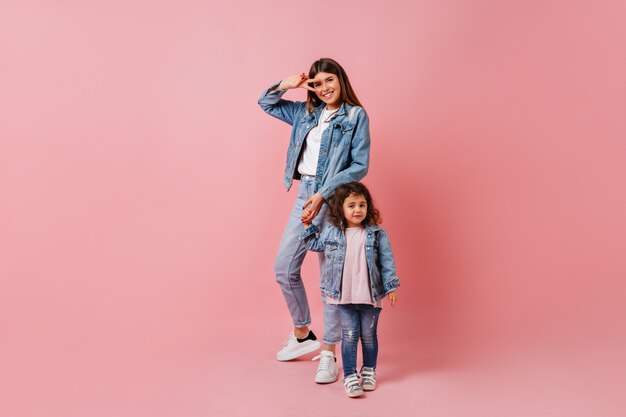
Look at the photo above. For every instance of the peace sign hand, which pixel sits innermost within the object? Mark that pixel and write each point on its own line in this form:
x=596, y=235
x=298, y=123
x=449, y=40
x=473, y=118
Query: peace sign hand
x=296, y=81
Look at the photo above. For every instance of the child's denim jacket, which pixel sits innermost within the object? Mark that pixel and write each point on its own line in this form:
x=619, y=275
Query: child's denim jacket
x=380, y=263
x=344, y=149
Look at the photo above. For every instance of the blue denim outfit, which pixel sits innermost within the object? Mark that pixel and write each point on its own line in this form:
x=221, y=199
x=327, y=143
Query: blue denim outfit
x=357, y=320
x=345, y=147
x=344, y=157
x=380, y=263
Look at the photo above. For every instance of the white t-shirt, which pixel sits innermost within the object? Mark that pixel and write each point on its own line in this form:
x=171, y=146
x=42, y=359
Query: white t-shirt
x=311, y=152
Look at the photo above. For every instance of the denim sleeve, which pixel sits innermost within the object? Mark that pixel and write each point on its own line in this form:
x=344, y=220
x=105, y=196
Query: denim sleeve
x=313, y=239
x=359, y=156
x=272, y=103
x=387, y=264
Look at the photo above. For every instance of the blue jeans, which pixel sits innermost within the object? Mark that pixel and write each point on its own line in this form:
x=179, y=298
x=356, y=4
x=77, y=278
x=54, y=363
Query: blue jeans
x=358, y=321
x=291, y=253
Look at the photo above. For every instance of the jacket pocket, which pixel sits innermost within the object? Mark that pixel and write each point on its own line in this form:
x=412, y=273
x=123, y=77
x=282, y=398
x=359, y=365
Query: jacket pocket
x=342, y=136
x=330, y=248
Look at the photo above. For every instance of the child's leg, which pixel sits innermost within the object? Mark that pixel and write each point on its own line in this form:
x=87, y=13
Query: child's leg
x=368, y=316
x=350, y=331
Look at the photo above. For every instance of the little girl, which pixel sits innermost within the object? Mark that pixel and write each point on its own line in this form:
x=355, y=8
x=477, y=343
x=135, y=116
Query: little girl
x=359, y=273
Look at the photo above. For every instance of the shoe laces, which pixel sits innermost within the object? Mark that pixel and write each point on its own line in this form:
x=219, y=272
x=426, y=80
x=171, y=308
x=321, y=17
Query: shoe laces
x=324, y=361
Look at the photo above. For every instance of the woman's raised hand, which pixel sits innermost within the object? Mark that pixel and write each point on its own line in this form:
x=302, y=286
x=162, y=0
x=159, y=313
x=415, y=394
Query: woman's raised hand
x=296, y=81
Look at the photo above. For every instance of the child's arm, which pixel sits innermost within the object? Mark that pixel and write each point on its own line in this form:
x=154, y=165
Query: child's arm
x=313, y=239
x=391, y=282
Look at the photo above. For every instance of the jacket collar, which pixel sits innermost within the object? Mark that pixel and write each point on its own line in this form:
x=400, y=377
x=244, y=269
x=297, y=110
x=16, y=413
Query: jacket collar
x=343, y=110
x=369, y=228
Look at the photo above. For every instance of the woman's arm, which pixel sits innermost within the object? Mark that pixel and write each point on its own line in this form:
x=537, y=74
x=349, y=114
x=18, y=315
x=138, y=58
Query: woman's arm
x=359, y=155
x=272, y=103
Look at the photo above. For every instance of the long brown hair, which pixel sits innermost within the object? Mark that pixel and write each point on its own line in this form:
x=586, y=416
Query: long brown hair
x=335, y=205
x=332, y=67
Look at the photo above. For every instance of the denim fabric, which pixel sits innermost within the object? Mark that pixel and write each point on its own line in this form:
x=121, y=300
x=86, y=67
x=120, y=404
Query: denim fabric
x=345, y=147
x=291, y=253
x=358, y=321
x=332, y=242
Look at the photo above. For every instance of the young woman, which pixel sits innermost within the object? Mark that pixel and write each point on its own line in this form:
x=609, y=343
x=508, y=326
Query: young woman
x=329, y=146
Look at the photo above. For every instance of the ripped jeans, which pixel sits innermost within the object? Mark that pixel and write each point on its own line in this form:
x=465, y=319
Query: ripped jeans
x=358, y=321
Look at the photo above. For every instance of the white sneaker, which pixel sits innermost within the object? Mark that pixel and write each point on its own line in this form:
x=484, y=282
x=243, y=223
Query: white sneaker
x=327, y=371
x=368, y=380
x=352, y=386
x=294, y=347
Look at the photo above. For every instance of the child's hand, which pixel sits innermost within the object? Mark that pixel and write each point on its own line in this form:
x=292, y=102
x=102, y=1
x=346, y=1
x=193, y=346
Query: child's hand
x=393, y=297
x=312, y=207
x=306, y=213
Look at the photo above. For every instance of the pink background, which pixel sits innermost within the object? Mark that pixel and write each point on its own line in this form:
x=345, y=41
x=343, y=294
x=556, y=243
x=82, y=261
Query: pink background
x=141, y=205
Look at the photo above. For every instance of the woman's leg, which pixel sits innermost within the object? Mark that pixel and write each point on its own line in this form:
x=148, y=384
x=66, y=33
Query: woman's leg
x=291, y=253
x=327, y=370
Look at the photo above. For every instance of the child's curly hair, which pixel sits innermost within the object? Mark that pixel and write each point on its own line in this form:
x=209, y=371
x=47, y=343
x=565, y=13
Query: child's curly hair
x=335, y=205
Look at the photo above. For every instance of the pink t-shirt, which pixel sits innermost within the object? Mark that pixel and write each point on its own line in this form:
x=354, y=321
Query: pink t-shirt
x=355, y=282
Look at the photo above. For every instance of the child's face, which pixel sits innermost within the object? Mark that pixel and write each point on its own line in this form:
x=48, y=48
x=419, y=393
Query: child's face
x=354, y=210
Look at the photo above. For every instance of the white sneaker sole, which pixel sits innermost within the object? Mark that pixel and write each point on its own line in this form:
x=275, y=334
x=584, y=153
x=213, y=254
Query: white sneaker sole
x=326, y=380
x=355, y=394
x=307, y=347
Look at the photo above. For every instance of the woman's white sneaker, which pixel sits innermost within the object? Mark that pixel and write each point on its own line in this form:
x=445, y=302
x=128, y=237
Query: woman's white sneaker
x=295, y=347
x=327, y=371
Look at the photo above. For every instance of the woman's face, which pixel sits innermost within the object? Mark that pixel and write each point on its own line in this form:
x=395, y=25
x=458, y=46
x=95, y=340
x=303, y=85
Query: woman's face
x=327, y=89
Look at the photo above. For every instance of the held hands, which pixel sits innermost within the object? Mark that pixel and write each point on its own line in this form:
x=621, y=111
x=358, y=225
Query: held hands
x=296, y=81
x=311, y=208
x=393, y=297
x=305, y=215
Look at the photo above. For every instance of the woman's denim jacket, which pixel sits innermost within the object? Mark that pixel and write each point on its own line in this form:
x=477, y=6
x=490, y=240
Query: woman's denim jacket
x=344, y=149
x=380, y=263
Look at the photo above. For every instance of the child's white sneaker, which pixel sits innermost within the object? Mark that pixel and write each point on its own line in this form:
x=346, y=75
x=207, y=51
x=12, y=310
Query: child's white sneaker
x=352, y=386
x=295, y=347
x=368, y=380
x=327, y=371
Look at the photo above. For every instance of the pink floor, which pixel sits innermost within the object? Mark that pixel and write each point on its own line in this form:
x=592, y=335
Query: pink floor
x=233, y=375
